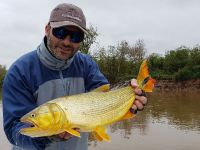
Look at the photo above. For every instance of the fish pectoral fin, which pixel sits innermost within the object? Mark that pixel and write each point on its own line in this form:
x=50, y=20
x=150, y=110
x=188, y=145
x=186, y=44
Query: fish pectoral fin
x=103, y=88
x=73, y=132
x=100, y=134
x=128, y=115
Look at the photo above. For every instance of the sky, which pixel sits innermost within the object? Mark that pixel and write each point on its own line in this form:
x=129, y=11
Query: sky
x=163, y=25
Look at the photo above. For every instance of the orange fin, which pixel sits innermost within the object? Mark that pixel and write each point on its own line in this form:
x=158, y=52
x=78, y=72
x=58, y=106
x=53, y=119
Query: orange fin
x=73, y=132
x=128, y=115
x=144, y=80
x=148, y=87
x=97, y=136
x=100, y=133
x=103, y=88
x=143, y=73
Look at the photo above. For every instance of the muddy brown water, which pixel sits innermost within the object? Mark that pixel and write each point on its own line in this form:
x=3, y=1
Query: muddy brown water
x=170, y=121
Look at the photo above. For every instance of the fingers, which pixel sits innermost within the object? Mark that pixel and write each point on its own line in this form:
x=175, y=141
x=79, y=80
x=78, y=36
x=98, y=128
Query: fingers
x=66, y=135
x=136, y=106
x=138, y=91
x=134, y=109
x=61, y=135
x=139, y=105
x=140, y=99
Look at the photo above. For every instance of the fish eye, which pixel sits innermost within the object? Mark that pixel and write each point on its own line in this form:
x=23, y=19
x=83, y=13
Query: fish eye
x=32, y=115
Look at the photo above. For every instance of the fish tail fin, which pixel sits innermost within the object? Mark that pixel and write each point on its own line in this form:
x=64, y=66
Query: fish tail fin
x=145, y=81
x=148, y=87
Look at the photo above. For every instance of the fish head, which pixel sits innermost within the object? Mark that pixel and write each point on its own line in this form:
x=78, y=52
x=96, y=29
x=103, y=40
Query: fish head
x=43, y=120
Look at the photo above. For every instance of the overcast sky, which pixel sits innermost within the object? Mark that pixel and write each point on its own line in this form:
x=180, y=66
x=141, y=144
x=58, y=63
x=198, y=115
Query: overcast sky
x=162, y=24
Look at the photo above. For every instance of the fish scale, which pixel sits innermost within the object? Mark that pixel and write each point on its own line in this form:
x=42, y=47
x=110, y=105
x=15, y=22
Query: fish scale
x=102, y=109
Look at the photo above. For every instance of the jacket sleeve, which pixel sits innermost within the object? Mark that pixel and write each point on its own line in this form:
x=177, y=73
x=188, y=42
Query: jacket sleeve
x=17, y=101
x=94, y=77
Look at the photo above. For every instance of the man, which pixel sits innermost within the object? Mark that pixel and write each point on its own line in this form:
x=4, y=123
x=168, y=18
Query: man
x=56, y=68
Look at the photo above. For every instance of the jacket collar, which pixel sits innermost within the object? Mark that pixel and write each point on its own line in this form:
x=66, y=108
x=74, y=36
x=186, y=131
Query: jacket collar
x=50, y=61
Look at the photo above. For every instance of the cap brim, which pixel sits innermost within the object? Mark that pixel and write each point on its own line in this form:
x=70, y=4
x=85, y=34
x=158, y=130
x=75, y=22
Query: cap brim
x=66, y=23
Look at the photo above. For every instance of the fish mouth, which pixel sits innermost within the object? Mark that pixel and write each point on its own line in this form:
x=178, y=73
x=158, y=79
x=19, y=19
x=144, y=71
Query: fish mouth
x=32, y=128
x=29, y=122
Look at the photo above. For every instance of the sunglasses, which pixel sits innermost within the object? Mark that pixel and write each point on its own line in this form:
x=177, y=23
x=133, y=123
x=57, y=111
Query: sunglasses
x=62, y=33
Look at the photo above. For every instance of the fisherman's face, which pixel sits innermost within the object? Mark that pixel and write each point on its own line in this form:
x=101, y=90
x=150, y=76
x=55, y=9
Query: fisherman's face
x=63, y=42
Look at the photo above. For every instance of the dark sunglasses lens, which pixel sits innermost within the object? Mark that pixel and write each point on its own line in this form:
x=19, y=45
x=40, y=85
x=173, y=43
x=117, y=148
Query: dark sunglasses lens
x=77, y=37
x=60, y=33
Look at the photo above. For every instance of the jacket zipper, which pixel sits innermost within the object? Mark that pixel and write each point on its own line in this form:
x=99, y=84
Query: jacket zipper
x=63, y=82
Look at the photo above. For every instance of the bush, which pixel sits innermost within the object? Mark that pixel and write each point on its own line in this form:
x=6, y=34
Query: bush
x=184, y=74
x=2, y=75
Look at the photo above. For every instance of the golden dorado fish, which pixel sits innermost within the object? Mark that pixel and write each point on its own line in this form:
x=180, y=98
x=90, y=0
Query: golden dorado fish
x=90, y=112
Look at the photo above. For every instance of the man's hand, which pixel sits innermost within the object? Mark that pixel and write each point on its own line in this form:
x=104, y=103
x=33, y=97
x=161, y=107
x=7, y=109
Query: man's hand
x=140, y=99
x=66, y=135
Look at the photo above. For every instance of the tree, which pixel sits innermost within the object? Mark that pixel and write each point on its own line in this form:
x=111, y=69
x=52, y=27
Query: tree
x=89, y=39
x=2, y=75
x=156, y=62
x=176, y=59
x=119, y=63
x=137, y=52
x=195, y=56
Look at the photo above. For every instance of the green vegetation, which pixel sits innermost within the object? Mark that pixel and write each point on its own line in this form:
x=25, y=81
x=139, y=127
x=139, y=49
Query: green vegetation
x=89, y=39
x=180, y=64
x=0, y=95
x=122, y=62
x=2, y=75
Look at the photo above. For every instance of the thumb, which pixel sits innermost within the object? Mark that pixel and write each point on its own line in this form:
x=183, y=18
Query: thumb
x=134, y=83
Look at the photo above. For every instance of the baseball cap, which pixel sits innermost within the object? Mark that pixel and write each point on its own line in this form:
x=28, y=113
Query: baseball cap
x=67, y=15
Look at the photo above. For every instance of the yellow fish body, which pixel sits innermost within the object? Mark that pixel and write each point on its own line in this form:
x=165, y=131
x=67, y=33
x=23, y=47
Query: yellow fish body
x=90, y=112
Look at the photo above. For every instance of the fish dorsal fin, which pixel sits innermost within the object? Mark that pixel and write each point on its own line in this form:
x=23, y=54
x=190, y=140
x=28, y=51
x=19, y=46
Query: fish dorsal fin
x=144, y=80
x=103, y=88
x=100, y=134
x=73, y=132
x=128, y=115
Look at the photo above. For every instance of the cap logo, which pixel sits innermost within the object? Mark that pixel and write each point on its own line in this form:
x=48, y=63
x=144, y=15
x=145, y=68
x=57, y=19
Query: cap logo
x=72, y=14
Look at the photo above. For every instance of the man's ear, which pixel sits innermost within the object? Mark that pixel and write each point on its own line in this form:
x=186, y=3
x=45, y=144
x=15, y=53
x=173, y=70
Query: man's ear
x=47, y=29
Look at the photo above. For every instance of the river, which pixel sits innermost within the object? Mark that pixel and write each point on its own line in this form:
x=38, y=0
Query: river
x=170, y=121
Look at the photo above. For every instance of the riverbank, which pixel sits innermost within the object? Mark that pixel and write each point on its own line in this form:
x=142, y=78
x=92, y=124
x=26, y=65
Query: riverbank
x=164, y=85
x=168, y=85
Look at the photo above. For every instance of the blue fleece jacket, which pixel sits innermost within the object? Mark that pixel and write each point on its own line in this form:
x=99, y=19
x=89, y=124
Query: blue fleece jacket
x=38, y=77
